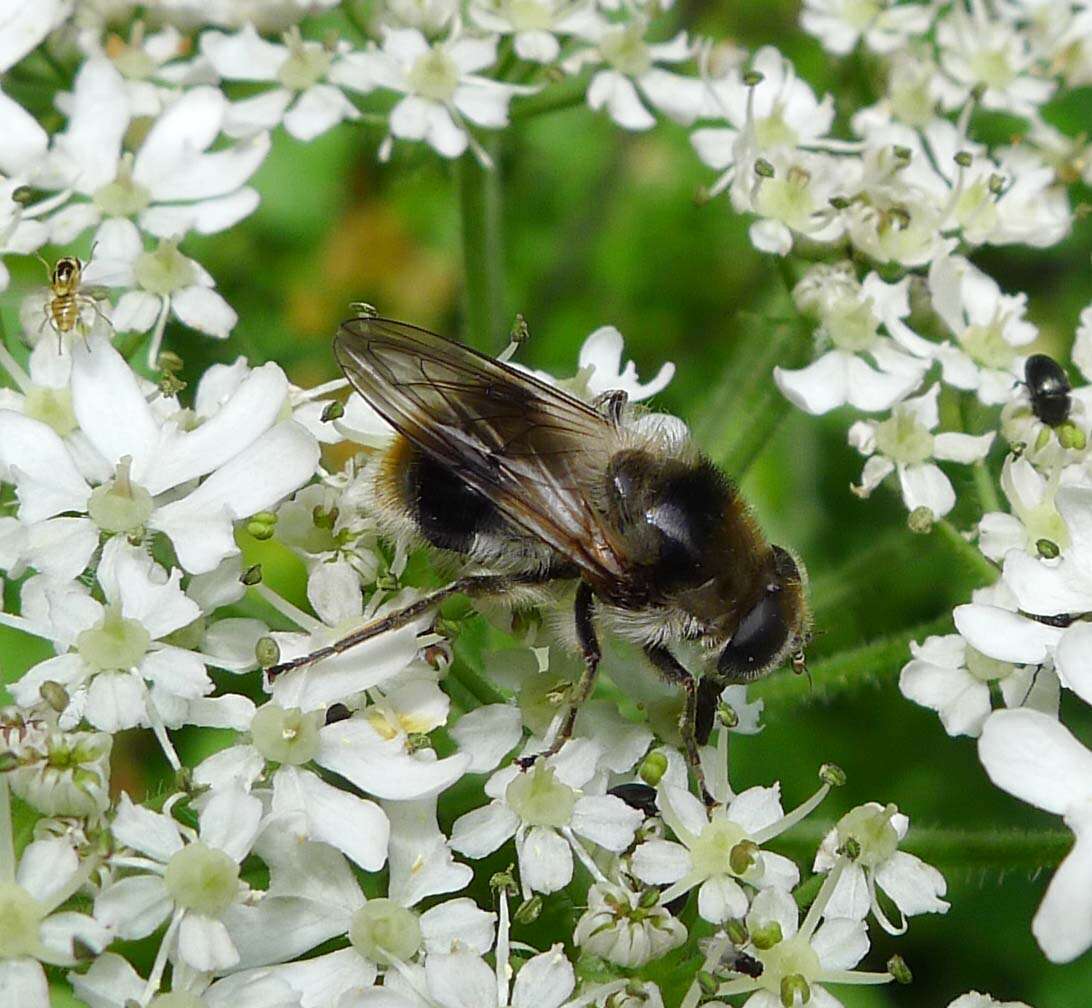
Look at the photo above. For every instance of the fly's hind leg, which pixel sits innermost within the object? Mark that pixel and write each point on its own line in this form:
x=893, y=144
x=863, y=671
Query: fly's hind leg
x=672, y=672
x=589, y=647
x=472, y=585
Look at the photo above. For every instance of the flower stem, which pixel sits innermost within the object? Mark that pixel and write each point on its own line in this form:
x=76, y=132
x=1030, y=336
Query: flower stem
x=565, y=94
x=972, y=558
x=7, y=839
x=850, y=669
x=745, y=407
x=985, y=488
x=483, y=264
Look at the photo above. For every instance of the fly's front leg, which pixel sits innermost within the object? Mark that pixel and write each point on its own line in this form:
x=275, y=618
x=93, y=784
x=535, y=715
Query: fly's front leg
x=672, y=672
x=474, y=585
x=589, y=647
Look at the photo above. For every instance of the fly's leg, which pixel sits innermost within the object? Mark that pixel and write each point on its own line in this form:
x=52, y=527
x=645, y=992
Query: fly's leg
x=589, y=647
x=473, y=585
x=673, y=673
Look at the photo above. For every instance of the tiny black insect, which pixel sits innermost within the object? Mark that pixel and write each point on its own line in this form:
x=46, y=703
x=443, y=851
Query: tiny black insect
x=1048, y=388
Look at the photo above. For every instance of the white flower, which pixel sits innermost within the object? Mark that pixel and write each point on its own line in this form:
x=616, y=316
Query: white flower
x=875, y=832
x=601, y=358
x=951, y=677
x=1035, y=758
x=625, y=927
x=850, y=316
x=442, y=84
x=631, y=72
x=189, y=877
x=158, y=283
x=778, y=112
x=172, y=185
x=1034, y=516
x=139, y=458
x=973, y=999
x=545, y=810
x=119, y=649
x=533, y=24
x=111, y=982
x=23, y=26
x=904, y=442
x=313, y=896
x=979, y=51
x=32, y=928
x=802, y=956
x=64, y=773
x=304, y=101
x=882, y=25
x=718, y=850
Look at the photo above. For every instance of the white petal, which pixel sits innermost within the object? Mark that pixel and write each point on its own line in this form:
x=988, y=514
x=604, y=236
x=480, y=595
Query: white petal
x=1005, y=635
x=421, y=862
x=229, y=821
x=956, y=447
x=47, y=481
x=146, y=831
x=611, y=89
x=355, y=826
x=913, y=886
x=756, y=808
x=840, y=944
x=110, y=406
x=282, y=927
x=318, y=109
x=606, y=820
x=22, y=27
x=1035, y=758
x=46, y=867
x=204, y=943
x=187, y=126
x=115, y=701
x=486, y=106
x=460, y=980
x=201, y=308
x=137, y=311
x=1074, y=659
x=483, y=830
x=109, y=981
x=545, y=860
x=334, y=591
x=851, y=898
x=133, y=907
x=818, y=388
x=457, y=922
x=487, y=734
x=62, y=547
x=924, y=485
x=544, y=981
x=207, y=216
x=25, y=141
x=720, y=898
x=244, y=55
x=1063, y=923
x=660, y=862
x=87, y=151
x=22, y=980
x=384, y=768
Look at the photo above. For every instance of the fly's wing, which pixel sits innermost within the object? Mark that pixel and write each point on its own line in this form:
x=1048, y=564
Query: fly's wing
x=534, y=451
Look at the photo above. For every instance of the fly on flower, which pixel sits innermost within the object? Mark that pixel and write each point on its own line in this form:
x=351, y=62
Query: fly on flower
x=66, y=304
x=538, y=486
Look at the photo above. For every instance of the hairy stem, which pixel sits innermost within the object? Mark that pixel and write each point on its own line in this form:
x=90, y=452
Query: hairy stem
x=479, y=192
x=850, y=669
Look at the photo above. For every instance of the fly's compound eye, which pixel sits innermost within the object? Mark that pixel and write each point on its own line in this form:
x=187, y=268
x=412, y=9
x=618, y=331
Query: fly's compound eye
x=758, y=639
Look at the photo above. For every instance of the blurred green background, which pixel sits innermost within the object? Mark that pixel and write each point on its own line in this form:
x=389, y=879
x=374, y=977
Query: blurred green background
x=603, y=227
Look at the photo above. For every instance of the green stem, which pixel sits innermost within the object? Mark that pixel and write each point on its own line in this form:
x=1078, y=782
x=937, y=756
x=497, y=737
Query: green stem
x=990, y=848
x=480, y=216
x=972, y=558
x=986, y=488
x=850, y=669
x=352, y=15
x=474, y=684
x=805, y=893
x=554, y=97
x=745, y=408
x=7, y=840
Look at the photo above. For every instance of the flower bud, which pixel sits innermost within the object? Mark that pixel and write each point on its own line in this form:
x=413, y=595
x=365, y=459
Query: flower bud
x=794, y=990
x=54, y=694
x=1071, y=436
x=653, y=767
x=736, y=929
x=767, y=936
x=1048, y=549
x=897, y=967
x=529, y=910
x=708, y=983
x=267, y=652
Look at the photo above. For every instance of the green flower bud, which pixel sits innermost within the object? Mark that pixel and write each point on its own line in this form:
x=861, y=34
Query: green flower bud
x=652, y=769
x=267, y=652
x=794, y=990
x=334, y=410
x=767, y=936
x=1048, y=550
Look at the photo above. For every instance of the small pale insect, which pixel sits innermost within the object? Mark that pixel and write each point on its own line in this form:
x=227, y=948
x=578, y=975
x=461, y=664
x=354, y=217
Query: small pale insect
x=68, y=305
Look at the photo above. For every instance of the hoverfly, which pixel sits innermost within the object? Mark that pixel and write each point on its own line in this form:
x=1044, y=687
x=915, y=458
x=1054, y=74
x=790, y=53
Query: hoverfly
x=496, y=466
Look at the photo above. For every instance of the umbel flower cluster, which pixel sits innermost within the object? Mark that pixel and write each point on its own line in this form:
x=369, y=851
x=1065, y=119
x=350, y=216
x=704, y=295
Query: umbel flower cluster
x=300, y=860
